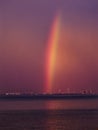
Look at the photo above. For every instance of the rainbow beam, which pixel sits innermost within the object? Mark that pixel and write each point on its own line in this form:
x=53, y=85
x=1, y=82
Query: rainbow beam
x=51, y=53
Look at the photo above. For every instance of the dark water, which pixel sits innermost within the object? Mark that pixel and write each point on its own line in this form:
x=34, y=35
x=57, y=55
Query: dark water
x=48, y=104
x=49, y=120
x=49, y=114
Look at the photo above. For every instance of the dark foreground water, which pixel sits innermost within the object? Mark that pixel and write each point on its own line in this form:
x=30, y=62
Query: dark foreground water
x=49, y=120
x=73, y=114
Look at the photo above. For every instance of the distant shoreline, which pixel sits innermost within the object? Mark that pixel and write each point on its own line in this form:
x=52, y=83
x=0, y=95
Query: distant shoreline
x=48, y=96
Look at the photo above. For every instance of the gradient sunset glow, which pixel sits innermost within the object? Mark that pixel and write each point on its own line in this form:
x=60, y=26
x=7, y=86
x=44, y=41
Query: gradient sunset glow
x=48, y=45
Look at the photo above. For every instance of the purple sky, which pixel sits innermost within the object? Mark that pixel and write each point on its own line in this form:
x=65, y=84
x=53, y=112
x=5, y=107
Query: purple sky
x=24, y=31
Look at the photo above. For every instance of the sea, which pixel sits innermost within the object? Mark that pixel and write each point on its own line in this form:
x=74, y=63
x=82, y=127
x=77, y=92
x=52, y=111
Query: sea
x=65, y=114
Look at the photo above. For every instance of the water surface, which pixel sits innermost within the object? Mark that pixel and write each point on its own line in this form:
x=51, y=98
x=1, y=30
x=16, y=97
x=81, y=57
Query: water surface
x=48, y=104
x=49, y=120
x=75, y=114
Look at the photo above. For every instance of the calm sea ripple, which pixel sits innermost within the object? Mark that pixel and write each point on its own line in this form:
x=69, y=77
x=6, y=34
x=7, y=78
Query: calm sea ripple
x=49, y=120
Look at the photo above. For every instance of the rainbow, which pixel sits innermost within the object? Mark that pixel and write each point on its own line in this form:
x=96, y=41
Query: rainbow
x=51, y=53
